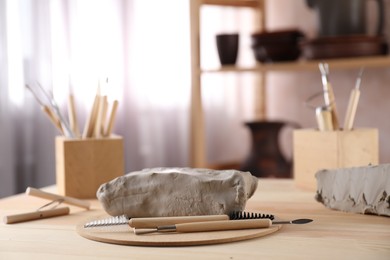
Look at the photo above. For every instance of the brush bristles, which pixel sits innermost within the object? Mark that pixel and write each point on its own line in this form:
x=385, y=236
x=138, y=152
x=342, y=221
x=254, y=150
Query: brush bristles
x=249, y=215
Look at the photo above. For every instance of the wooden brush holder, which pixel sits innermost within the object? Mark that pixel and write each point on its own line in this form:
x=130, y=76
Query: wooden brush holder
x=82, y=165
x=315, y=150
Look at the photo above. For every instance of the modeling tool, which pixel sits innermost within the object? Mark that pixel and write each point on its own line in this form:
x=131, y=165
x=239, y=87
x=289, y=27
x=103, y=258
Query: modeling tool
x=324, y=118
x=53, y=104
x=39, y=214
x=73, y=116
x=65, y=199
x=352, y=104
x=219, y=225
x=329, y=97
x=97, y=131
x=91, y=121
x=46, y=109
x=111, y=119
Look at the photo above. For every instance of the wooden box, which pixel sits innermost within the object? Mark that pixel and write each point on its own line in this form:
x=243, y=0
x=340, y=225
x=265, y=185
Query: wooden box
x=314, y=150
x=82, y=165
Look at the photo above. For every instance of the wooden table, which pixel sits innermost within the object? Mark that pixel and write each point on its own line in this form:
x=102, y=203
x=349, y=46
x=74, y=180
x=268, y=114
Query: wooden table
x=332, y=235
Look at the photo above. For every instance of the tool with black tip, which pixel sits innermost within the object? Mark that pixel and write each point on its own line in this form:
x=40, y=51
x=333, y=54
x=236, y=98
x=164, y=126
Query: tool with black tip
x=219, y=225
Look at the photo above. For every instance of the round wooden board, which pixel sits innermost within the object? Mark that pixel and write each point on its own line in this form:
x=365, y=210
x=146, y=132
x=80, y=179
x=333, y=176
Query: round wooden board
x=123, y=235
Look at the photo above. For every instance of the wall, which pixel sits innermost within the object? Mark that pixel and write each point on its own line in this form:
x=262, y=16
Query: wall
x=286, y=92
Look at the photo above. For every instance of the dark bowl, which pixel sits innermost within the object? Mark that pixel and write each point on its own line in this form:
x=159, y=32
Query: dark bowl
x=344, y=47
x=276, y=52
x=277, y=37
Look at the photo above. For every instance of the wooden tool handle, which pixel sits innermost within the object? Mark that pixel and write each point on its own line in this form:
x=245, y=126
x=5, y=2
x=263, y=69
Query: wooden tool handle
x=324, y=119
x=36, y=215
x=223, y=225
x=111, y=119
x=160, y=221
x=53, y=118
x=91, y=121
x=332, y=103
x=351, y=110
x=73, y=116
x=46, y=195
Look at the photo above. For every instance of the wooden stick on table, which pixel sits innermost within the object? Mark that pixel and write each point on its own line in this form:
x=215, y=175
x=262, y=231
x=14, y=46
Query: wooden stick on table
x=69, y=200
x=39, y=214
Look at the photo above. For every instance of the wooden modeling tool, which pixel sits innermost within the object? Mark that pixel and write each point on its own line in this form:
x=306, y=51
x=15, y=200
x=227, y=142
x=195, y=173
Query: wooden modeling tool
x=104, y=115
x=73, y=116
x=91, y=121
x=324, y=118
x=46, y=213
x=53, y=104
x=47, y=110
x=34, y=215
x=100, y=117
x=329, y=97
x=219, y=225
x=65, y=199
x=352, y=104
x=53, y=118
x=111, y=119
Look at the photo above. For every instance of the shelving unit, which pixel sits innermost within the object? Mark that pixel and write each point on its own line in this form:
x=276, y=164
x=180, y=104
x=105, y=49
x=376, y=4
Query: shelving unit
x=305, y=65
x=197, y=141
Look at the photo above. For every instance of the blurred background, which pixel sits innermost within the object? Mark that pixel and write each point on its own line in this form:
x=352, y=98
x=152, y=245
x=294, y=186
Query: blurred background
x=143, y=48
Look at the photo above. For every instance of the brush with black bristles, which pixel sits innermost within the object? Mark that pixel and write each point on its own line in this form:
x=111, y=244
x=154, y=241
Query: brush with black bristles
x=158, y=221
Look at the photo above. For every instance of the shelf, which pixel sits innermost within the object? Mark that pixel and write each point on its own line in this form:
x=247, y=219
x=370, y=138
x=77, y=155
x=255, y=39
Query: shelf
x=236, y=3
x=197, y=124
x=303, y=65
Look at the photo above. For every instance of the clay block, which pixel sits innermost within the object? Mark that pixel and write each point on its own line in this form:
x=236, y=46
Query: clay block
x=363, y=190
x=161, y=192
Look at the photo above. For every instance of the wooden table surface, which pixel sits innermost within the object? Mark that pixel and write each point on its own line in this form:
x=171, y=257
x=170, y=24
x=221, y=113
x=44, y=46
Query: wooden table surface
x=332, y=235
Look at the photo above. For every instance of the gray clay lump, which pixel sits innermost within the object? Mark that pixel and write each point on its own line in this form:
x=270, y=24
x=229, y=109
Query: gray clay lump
x=160, y=192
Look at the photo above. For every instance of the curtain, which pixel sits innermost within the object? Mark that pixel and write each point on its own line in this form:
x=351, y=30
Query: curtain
x=138, y=54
